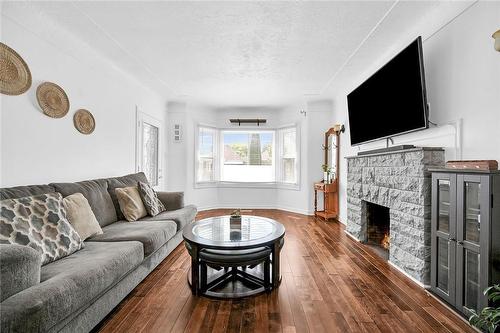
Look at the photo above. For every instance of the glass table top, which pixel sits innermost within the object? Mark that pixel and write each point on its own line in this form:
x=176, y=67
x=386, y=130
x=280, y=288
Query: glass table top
x=221, y=229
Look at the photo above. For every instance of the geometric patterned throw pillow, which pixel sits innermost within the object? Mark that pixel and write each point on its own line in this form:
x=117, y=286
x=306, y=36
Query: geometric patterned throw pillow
x=150, y=199
x=39, y=222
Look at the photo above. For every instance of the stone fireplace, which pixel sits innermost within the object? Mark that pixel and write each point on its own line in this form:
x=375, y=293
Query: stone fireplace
x=389, y=196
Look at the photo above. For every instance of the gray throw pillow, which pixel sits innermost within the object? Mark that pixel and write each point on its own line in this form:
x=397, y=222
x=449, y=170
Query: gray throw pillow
x=148, y=195
x=40, y=222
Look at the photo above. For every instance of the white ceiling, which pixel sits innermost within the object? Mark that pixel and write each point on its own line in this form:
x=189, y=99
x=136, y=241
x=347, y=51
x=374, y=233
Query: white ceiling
x=233, y=53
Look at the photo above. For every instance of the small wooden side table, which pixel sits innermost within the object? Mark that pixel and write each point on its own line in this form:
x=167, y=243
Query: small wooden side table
x=330, y=200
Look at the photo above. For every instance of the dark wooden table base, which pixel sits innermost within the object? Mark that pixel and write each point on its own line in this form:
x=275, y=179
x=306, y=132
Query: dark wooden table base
x=233, y=283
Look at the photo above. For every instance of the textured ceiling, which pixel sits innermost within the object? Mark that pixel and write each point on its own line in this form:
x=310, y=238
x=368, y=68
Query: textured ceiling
x=228, y=53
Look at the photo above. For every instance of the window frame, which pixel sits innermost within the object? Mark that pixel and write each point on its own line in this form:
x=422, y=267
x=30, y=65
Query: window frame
x=206, y=183
x=245, y=130
x=281, y=183
x=277, y=183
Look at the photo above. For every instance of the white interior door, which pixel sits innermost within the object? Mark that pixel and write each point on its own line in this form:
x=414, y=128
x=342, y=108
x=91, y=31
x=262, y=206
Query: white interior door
x=149, y=148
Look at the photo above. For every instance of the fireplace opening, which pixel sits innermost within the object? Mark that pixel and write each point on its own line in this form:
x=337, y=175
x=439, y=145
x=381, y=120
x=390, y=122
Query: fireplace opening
x=378, y=228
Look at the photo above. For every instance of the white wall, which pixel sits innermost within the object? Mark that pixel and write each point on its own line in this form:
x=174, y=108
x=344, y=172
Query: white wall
x=463, y=88
x=37, y=149
x=181, y=156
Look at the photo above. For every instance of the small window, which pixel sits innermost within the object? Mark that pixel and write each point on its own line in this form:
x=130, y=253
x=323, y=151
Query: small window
x=206, y=154
x=288, y=158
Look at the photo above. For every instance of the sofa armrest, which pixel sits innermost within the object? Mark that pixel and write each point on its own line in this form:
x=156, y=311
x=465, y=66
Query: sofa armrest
x=172, y=200
x=19, y=269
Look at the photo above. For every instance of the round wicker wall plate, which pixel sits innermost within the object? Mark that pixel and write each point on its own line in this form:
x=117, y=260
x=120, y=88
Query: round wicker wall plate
x=15, y=76
x=52, y=99
x=84, y=121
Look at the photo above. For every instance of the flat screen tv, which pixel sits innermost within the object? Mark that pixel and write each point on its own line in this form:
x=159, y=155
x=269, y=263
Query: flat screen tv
x=392, y=101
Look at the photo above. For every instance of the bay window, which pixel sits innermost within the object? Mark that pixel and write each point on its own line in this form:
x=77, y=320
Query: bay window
x=253, y=157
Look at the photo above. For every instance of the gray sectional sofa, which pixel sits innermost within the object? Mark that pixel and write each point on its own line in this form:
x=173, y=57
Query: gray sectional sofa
x=75, y=293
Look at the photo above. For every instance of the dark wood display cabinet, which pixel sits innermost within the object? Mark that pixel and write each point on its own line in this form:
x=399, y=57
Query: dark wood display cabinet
x=465, y=236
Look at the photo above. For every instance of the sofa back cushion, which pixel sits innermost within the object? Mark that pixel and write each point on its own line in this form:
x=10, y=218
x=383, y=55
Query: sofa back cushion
x=120, y=182
x=96, y=193
x=25, y=191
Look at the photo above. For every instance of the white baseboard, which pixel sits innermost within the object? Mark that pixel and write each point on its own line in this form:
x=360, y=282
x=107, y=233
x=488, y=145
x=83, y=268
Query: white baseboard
x=288, y=209
x=424, y=286
x=348, y=234
x=395, y=266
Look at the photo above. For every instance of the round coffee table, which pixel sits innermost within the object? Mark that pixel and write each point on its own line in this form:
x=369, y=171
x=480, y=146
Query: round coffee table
x=231, y=259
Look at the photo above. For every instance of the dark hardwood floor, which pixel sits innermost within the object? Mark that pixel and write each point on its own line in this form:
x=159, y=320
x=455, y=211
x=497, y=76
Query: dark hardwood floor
x=330, y=284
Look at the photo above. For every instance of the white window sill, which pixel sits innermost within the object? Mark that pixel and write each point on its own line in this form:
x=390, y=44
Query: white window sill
x=222, y=184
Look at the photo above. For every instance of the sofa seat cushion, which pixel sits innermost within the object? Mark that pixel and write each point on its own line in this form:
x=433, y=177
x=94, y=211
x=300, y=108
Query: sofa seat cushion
x=68, y=285
x=152, y=234
x=181, y=216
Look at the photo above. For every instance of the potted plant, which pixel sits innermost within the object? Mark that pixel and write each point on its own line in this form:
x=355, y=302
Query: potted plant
x=235, y=218
x=326, y=172
x=489, y=317
x=332, y=174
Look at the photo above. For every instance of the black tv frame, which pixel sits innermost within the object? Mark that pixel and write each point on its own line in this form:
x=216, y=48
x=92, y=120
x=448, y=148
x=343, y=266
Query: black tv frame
x=424, y=94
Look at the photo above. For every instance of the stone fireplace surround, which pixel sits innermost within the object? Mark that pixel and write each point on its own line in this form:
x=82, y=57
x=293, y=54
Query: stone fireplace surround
x=400, y=181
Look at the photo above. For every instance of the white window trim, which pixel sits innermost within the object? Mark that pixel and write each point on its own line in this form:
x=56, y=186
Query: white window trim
x=298, y=161
x=218, y=158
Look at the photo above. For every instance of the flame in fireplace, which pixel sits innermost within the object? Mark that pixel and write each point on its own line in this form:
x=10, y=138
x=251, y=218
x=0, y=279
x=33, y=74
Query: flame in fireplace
x=386, y=241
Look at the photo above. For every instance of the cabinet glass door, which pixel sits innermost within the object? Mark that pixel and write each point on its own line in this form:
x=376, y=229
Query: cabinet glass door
x=471, y=268
x=443, y=236
x=471, y=287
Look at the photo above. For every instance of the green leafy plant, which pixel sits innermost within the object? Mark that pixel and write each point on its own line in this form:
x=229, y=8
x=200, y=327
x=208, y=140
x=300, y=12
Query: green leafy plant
x=236, y=213
x=489, y=317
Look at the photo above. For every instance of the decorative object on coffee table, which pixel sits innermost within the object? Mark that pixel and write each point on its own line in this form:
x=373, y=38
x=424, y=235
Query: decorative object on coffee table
x=84, y=121
x=225, y=267
x=52, y=99
x=15, y=76
x=235, y=219
x=487, y=165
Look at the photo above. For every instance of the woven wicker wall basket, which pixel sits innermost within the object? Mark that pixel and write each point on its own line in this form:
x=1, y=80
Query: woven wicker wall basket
x=84, y=121
x=52, y=99
x=15, y=76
